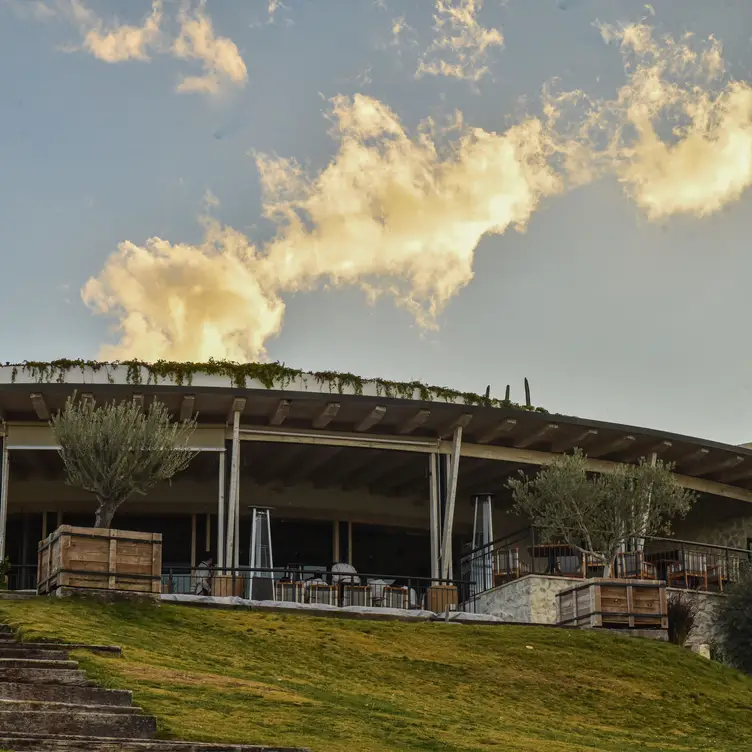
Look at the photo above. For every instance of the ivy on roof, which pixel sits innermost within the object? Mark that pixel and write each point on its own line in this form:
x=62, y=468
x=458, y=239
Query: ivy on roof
x=272, y=375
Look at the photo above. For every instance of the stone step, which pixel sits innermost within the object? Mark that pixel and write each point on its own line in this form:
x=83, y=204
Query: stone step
x=37, y=663
x=65, y=693
x=66, y=707
x=37, y=653
x=43, y=676
x=58, y=743
x=110, y=725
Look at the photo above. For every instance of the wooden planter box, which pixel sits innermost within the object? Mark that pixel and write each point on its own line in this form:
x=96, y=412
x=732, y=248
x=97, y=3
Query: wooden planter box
x=100, y=559
x=614, y=603
x=439, y=598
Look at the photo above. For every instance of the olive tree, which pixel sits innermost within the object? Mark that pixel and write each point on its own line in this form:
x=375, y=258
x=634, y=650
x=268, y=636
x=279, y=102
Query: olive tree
x=596, y=514
x=116, y=450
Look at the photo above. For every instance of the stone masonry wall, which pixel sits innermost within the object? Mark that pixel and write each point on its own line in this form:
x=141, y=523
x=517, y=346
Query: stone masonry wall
x=530, y=599
x=705, y=630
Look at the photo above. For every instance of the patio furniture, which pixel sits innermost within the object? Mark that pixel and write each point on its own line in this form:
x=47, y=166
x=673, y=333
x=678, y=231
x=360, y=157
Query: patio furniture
x=356, y=595
x=507, y=566
x=323, y=594
x=395, y=597
x=632, y=565
x=723, y=572
x=690, y=570
x=290, y=592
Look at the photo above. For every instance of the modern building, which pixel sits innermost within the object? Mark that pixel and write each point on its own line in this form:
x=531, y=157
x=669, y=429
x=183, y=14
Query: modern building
x=373, y=473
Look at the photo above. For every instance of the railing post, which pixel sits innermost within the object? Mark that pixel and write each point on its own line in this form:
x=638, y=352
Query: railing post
x=684, y=565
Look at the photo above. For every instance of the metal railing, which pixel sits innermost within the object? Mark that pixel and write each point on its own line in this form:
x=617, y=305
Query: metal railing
x=293, y=585
x=22, y=577
x=680, y=563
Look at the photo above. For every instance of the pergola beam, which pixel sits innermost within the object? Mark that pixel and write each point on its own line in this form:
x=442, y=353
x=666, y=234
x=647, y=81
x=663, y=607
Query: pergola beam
x=656, y=448
x=541, y=434
x=716, y=465
x=415, y=422
x=40, y=406
x=500, y=429
x=615, y=445
x=693, y=458
x=303, y=469
x=578, y=440
x=463, y=421
x=280, y=413
x=738, y=473
x=326, y=416
x=375, y=416
x=238, y=405
x=186, y=407
x=506, y=454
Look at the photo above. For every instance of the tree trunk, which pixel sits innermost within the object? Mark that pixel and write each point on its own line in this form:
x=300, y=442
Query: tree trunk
x=105, y=512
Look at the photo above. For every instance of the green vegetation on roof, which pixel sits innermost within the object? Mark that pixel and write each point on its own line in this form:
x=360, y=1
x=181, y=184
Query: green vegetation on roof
x=271, y=375
x=336, y=685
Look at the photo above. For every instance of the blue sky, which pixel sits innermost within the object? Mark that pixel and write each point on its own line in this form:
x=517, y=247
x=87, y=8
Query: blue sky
x=613, y=300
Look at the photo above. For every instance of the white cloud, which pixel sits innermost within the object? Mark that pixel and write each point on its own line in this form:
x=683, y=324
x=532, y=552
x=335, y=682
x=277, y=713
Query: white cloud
x=461, y=45
x=219, y=55
x=392, y=213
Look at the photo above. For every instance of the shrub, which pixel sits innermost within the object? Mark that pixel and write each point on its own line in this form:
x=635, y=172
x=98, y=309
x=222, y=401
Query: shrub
x=735, y=624
x=682, y=612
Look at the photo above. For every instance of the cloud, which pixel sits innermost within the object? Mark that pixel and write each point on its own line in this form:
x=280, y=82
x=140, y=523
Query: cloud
x=704, y=160
x=461, y=45
x=219, y=55
x=117, y=43
x=36, y=10
x=393, y=213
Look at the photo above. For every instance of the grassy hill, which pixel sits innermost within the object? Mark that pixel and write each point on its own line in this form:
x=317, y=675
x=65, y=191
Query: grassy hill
x=336, y=685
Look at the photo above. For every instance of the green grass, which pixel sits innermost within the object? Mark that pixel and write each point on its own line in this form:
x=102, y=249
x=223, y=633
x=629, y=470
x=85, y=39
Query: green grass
x=339, y=685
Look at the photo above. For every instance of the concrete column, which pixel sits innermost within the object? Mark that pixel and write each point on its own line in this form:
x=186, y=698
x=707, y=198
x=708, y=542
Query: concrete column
x=454, y=469
x=193, y=541
x=335, y=541
x=233, y=513
x=221, y=561
x=434, y=516
x=3, y=497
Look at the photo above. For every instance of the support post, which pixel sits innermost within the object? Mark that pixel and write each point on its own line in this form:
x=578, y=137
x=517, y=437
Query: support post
x=44, y=525
x=349, y=543
x=335, y=541
x=221, y=513
x=233, y=512
x=193, y=541
x=433, y=514
x=4, y=498
x=454, y=469
x=207, y=542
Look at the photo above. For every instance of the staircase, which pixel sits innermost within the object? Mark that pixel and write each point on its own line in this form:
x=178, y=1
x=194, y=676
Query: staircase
x=48, y=705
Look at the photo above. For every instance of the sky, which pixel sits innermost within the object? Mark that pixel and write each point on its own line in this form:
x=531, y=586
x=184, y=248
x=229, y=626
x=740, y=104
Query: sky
x=460, y=192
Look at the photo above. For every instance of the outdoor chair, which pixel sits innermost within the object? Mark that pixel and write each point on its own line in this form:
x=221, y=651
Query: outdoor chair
x=723, y=572
x=290, y=592
x=323, y=594
x=691, y=570
x=395, y=597
x=507, y=565
x=356, y=595
x=632, y=565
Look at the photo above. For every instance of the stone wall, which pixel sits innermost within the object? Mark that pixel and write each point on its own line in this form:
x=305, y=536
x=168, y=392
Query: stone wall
x=530, y=599
x=705, y=630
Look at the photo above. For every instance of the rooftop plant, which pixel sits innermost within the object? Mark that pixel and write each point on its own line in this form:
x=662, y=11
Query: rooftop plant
x=271, y=375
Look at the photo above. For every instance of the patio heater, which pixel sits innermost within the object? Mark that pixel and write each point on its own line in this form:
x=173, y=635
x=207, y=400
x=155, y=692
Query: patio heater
x=481, y=569
x=261, y=584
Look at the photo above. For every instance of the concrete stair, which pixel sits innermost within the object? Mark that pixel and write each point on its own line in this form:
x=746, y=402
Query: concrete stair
x=47, y=704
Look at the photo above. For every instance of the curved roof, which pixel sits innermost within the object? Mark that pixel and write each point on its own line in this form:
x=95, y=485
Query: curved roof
x=342, y=405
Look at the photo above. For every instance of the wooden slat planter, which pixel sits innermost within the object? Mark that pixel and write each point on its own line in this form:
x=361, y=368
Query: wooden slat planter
x=439, y=598
x=614, y=603
x=99, y=559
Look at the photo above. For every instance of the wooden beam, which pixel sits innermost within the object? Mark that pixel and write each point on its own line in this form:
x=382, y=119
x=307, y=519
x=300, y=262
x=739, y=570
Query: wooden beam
x=186, y=407
x=541, y=434
x=646, y=450
x=374, y=417
x=238, y=405
x=416, y=421
x=326, y=416
x=407, y=472
x=447, y=429
x=481, y=451
x=275, y=467
x=715, y=464
x=693, y=457
x=738, y=473
x=303, y=469
x=577, y=440
x=40, y=406
x=505, y=427
x=615, y=445
x=379, y=467
x=280, y=413
x=350, y=478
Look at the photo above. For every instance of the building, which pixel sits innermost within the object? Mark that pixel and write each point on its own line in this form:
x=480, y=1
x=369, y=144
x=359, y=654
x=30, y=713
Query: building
x=377, y=474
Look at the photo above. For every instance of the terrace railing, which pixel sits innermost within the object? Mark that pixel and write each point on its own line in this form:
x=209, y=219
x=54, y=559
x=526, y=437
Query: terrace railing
x=680, y=563
x=291, y=585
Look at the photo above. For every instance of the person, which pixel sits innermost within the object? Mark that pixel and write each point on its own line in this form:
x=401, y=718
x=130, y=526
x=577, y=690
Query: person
x=203, y=575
